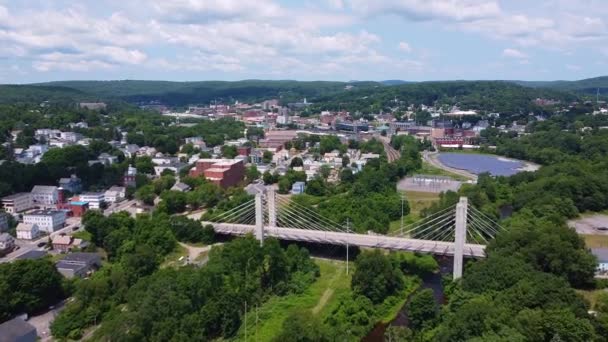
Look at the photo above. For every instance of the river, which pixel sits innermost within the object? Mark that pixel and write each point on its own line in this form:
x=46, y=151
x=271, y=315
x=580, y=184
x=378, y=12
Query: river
x=431, y=281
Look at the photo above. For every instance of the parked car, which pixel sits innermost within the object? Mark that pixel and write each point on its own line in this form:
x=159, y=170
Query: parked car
x=41, y=244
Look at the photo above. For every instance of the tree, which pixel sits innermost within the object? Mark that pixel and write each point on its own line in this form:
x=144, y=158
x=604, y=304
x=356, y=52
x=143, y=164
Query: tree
x=325, y=171
x=296, y=162
x=375, y=276
x=146, y=194
x=252, y=173
x=144, y=164
x=229, y=151
x=422, y=309
x=269, y=178
x=173, y=201
x=302, y=326
x=267, y=157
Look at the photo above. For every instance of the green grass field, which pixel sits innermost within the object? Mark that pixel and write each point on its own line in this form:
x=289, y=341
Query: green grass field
x=596, y=241
x=172, y=259
x=320, y=298
x=428, y=169
x=417, y=201
x=83, y=234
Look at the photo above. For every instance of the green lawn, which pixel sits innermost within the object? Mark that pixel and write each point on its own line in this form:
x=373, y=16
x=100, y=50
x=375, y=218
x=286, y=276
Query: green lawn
x=320, y=298
x=83, y=234
x=596, y=241
x=590, y=296
x=428, y=169
x=417, y=201
x=172, y=259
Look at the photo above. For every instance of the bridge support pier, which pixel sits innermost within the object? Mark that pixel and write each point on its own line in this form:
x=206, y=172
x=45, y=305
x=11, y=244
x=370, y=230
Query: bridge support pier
x=460, y=236
x=259, y=218
x=272, y=210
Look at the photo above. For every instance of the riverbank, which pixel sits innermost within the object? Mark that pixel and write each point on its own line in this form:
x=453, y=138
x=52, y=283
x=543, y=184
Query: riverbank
x=431, y=159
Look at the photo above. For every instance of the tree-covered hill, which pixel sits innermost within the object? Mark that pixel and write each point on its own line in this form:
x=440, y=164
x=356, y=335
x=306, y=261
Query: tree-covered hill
x=185, y=93
x=490, y=96
x=12, y=94
x=586, y=86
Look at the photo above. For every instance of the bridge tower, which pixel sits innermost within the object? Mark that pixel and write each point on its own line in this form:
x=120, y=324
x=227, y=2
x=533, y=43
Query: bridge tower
x=460, y=236
x=259, y=218
x=272, y=210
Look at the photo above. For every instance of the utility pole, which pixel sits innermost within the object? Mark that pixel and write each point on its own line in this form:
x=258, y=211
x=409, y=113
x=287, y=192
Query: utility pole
x=347, y=231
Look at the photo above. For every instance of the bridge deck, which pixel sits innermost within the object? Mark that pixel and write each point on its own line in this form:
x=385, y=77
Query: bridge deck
x=361, y=240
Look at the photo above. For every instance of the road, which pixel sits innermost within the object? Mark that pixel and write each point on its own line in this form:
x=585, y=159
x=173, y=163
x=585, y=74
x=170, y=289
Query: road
x=431, y=158
x=26, y=246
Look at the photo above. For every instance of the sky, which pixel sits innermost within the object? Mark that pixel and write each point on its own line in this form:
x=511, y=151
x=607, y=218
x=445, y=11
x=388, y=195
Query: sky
x=341, y=40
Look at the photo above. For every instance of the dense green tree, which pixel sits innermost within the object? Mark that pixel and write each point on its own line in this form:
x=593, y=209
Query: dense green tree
x=422, y=309
x=375, y=276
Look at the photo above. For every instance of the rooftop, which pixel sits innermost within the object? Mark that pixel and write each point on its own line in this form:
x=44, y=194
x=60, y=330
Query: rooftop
x=44, y=189
x=601, y=254
x=15, y=196
x=43, y=212
x=81, y=257
x=14, y=329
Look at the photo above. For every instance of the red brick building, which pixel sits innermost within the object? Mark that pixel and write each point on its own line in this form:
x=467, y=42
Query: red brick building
x=223, y=172
x=244, y=150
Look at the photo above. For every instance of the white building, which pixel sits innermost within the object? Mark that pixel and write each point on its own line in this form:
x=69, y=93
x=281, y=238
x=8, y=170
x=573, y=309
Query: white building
x=26, y=231
x=175, y=167
x=115, y=194
x=44, y=194
x=46, y=220
x=95, y=199
x=17, y=203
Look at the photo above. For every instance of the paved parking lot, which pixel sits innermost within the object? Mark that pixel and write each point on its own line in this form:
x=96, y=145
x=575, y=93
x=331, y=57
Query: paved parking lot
x=589, y=225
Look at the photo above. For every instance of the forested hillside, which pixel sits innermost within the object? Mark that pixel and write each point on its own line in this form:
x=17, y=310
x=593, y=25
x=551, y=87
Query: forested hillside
x=185, y=93
x=489, y=96
x=586, y=86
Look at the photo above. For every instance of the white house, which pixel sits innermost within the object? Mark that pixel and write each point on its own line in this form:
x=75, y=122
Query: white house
x=44, y=194
x=602, y=259
x=46, y=220
x=95, y=199
x=17, y=203
x=27, y=231
x=115, y=194
x=7, y=242
x=175, y=167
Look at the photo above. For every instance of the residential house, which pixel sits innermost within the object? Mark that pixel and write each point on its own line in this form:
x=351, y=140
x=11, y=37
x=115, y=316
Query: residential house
x=128, y=179
x=44, y=195
x=72, y=184
x=46, y=220
x=298, y=188
x=115, y=194
x=181, y=187
x=78, y=264
x=130, y=150
x=175, y=167
x=17, y=330
x=17, y=203
x=3, y=222
x=162, y=160
x=27, y=231
x=96, y=200
x=107, y=159
x=62, y=243
x=7, y=243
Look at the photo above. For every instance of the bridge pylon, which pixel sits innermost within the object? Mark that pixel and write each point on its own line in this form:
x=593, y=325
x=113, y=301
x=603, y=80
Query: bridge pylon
x=272, y=209
x=460, y=236
x=259, y=218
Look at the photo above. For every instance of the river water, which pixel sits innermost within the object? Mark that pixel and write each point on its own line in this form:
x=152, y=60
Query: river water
x=431, y=281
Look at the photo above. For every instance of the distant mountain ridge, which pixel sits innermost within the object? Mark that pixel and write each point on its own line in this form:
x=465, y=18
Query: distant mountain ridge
x=204, y=92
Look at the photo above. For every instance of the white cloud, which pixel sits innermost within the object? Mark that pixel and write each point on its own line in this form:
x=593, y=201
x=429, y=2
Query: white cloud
x=513, y=53
x=196, y=11
x=405, y=47
x=420, y=10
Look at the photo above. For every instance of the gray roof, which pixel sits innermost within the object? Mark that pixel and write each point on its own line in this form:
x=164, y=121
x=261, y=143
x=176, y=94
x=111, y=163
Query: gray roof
x=81, y=257
x=601, y=254
x=33, y=254
x=44, y=189
x=14, y=196
x=6, y=237
x=15, y=329
x=181, y=186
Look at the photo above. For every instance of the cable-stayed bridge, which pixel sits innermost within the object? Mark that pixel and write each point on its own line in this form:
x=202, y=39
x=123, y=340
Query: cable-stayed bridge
x=459, y=230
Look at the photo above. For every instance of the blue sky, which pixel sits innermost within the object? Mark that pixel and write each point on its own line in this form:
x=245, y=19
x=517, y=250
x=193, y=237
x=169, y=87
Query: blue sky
x=45, y=40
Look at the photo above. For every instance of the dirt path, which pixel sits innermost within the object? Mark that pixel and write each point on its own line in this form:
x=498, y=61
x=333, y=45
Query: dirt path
x=194, y=251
